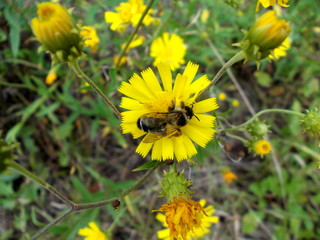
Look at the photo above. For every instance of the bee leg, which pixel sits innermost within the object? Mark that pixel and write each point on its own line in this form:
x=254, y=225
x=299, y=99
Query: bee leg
x=176, y=133
x=172, y=107
x=182, y=105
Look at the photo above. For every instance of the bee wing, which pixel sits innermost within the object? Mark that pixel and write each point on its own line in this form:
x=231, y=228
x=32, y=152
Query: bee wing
x=170, y=132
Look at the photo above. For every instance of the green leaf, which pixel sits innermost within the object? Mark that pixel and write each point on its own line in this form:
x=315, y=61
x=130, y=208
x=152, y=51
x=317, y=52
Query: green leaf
x=13, y=19
x=263, y=79
x=146, y=166
x=250, y=221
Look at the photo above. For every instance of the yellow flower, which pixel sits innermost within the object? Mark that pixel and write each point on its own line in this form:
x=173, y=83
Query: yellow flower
x=145, y=96
x=56, y=30
x=169, y=49
x=127, y=13
x=261, y=147
x=51, y=77
x=229, y=176
x=91, y=38
x=264, y=36
x=222, y=96
x=268, y=3
x=281, y=50
x=198, y=232
x=92, y=232
x=235, y=103
x=186, y=219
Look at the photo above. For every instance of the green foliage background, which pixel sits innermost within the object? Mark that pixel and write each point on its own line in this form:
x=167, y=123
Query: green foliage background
x=73, y=140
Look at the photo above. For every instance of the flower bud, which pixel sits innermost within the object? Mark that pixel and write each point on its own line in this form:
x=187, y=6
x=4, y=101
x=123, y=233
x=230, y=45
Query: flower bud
x=264, y=36
x=258, y=129
x=311, y=121
x=56, y=29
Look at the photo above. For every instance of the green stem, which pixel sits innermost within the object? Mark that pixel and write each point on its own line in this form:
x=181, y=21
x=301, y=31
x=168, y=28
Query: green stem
x=241, y=139
x=75, y=66
x=124, y=50
x=83, y=206
x=253, y=118
x=238, y=57
x=28, y=174
x=51, y=224
x=74, y=206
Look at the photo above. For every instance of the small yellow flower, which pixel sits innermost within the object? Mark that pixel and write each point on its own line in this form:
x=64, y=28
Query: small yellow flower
x=222, y=96
x=51, y=77
x=91, y=38
x=127, y=13
x=146, y=96
x=281, y=51
x=261, y=147
x=57, y=31
x=229, y=176
x=267, y=34
x=170, y=49
x=235, y=103
x=198, y=232
x=268, y=3
x=92, y=232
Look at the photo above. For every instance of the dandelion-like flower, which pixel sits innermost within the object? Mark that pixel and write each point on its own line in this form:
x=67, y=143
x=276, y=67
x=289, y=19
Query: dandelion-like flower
x=197, y=232
x=222, y=96
x=261, y=147
x=268, y=3
x=170, y=49
x=92, y=232
x=91, y=38
x=56, y=29
x=229, y=176
x=127, y=13
x=167, y=115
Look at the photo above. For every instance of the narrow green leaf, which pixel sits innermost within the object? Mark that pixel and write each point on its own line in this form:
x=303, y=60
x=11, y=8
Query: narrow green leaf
x=146, y=166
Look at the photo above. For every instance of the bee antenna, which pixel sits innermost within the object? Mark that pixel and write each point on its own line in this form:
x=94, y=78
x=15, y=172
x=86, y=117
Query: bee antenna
x=196, y=117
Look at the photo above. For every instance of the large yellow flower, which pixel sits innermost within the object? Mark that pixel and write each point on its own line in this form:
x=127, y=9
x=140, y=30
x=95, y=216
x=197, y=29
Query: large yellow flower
x=268, y=3
x=170, y=49
x=145, y=96
x=187, y=219
x=91, y=37
x=92, y=232
x=127, y=13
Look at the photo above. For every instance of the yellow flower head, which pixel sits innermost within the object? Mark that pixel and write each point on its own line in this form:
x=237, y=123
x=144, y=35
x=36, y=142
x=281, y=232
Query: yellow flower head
x=186, y=219
x=170, y=49
x=235, y=103
x=167, y=115
x=222, y=96
x=268, y=3
x=198, y=232
x=261, y=147
x=92, y=232
x=264, y=36
x=90, y=36
x=127, y=13
x=57, y=31
x=229, y=176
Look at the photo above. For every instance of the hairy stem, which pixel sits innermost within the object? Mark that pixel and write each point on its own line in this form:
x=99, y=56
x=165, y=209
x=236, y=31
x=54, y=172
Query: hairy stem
x=75, y=66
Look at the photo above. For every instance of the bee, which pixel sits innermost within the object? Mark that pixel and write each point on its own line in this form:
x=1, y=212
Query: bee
x=162, y=124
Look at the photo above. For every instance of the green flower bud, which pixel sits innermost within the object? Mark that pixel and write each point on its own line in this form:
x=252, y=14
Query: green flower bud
x=311, y=121
x=258, y=129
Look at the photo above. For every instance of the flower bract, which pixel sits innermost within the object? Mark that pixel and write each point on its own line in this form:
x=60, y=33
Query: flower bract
x=146, y=97
x=170, y=49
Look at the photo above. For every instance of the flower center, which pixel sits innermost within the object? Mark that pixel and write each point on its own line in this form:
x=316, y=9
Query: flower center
x=46, y=13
